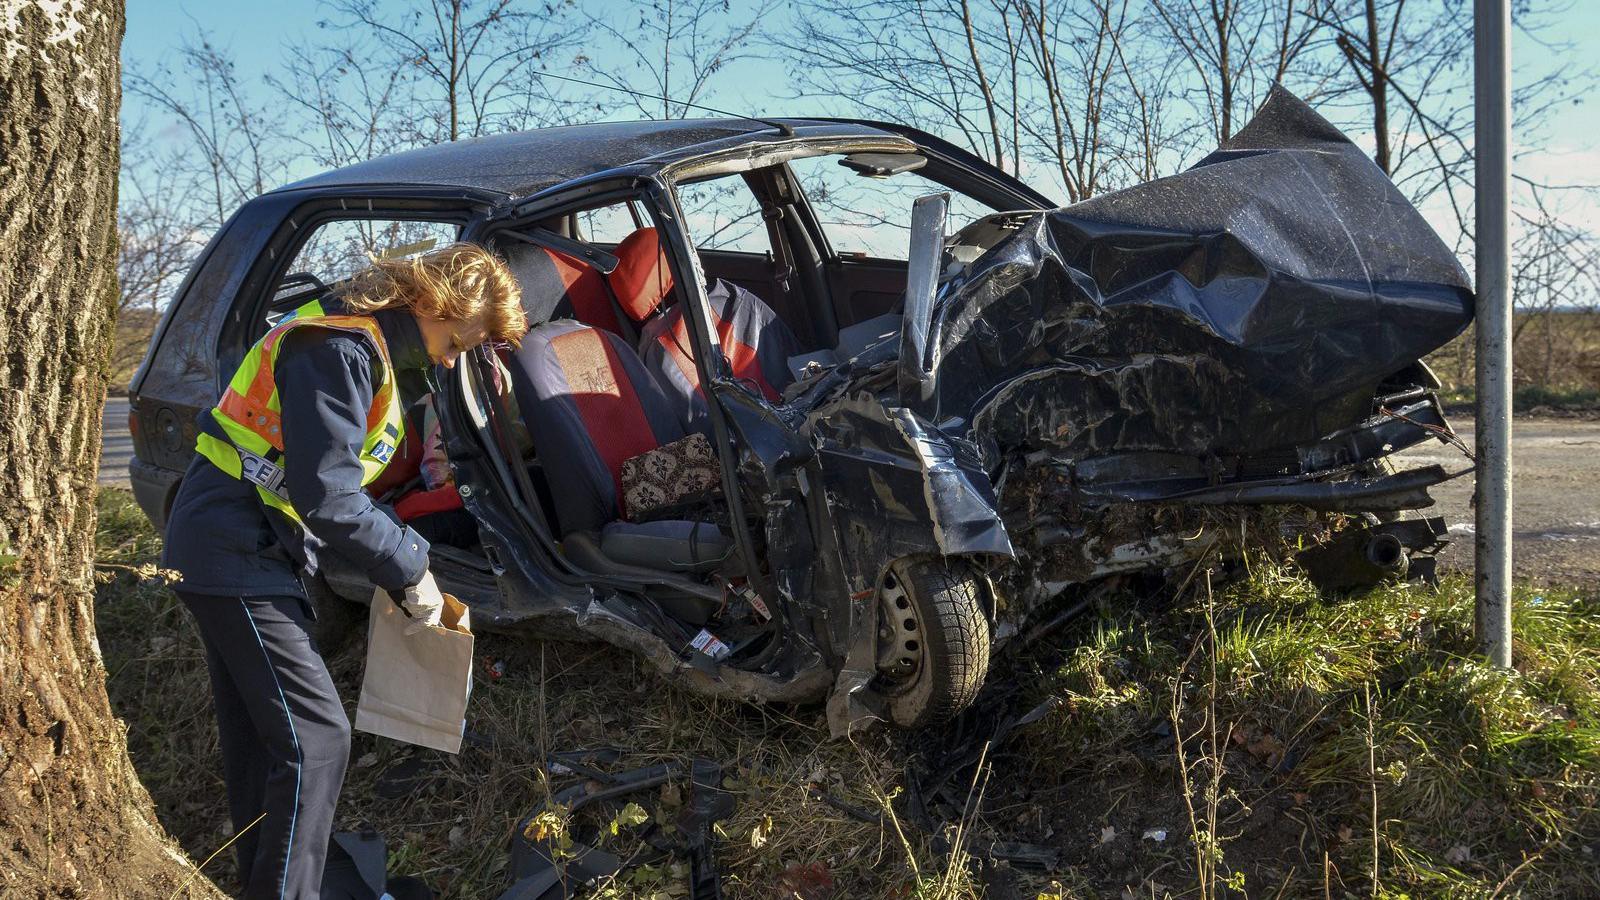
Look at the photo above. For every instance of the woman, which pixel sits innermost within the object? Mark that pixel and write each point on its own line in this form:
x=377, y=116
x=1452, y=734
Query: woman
x=313, y=415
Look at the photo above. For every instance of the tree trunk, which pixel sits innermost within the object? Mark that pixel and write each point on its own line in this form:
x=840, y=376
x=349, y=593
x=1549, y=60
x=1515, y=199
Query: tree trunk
x=1377, y=65
x=74, y=819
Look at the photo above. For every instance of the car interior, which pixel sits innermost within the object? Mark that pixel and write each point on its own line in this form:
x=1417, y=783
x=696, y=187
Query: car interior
x=802, y=273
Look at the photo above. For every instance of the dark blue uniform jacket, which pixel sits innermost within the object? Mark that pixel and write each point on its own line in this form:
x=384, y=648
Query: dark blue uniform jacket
x=226, y=542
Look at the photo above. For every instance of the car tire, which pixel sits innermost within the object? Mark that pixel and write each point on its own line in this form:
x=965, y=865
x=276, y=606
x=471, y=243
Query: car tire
x=933, y=640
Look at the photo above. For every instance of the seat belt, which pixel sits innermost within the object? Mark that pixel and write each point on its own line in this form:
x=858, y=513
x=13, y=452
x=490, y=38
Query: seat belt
x=783, y=271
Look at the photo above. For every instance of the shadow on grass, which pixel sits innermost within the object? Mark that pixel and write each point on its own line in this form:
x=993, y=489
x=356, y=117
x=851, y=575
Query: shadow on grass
x=1305, y=709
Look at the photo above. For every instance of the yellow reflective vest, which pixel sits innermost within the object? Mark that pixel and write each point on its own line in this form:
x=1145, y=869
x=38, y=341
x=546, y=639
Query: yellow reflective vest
x=250, y=412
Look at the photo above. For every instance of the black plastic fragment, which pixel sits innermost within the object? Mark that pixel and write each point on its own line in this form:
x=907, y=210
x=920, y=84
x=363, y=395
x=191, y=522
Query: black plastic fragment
x=537, y=874
x=1370, y=555
x=708, y=803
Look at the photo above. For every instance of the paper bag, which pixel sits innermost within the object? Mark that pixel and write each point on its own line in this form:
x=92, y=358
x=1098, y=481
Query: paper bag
x=416, y=685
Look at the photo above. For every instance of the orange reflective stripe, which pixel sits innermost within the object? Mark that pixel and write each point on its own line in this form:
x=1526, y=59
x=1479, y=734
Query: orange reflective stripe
x=257, y=409
x=250, y=411
x=674, y=340
x=255, y=414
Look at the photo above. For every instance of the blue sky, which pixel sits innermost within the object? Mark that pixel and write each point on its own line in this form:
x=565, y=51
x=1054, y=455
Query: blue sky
x=254, y=34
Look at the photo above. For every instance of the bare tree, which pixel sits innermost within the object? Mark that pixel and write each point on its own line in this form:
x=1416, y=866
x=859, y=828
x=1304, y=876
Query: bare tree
x=1079, y=53
x=1556, y=283
x=887, y=59
x=1237, y=49
x=1409, y=63
x=436, y=70
x=231, y=141
x=354, y=111
x=76, y=820
x=156, y=242
x=1019, y=82
x=677, y=46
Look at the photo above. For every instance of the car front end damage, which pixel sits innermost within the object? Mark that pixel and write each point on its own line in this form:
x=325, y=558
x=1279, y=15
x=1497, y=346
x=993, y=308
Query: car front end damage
x=1223, y=358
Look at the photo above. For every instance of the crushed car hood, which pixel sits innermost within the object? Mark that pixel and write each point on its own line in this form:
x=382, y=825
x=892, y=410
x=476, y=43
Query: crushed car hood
x=1251, y=303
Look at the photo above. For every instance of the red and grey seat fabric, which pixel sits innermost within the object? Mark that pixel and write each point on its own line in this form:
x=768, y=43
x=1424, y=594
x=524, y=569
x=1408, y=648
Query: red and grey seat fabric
x=591, y=406
x=642, y=278
x=556, y=286
x=756, y=342
x=404, y=468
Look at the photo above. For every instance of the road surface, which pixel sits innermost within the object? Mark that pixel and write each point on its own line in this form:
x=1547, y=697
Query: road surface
x=1556, y=498
x=116, y=445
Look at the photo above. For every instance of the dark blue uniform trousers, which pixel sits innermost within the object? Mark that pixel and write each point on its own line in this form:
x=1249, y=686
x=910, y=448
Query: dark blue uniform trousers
x=284, y=735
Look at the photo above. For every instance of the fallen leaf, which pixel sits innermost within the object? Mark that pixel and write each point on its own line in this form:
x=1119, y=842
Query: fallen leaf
x=631, y=815
x=1155, y=834
x=1266, y=748
x=367, y=761
x=1458, y=854
x=671, y=795
x=1300, y=798
x=761, y=833
x=1346, y=833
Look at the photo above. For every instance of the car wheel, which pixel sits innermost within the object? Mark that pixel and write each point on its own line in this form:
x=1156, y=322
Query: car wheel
x=933, y=640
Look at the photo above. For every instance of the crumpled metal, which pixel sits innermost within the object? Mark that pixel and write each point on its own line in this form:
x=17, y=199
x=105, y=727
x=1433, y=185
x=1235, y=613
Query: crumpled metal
x=1251, y=303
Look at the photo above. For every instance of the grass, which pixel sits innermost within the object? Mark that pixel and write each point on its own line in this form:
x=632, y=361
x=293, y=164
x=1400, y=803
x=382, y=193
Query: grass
x=451, y=823
x=1554, y=358
x=1483, y=781
x=1329, y=748
x=1530, y=398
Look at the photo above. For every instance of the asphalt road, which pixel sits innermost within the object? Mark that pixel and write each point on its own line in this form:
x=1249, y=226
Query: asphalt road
x=1555, y=498
x=1556, y=492
x=116, y=445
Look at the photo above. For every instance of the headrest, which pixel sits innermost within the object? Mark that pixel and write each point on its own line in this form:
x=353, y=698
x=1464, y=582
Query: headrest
x=642, y=278
x=555, y=285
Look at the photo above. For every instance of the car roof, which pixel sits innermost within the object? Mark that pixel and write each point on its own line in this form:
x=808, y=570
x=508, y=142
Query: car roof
x=524, y=162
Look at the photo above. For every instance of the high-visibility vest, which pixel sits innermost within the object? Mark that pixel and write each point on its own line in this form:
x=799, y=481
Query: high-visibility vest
x=250, y=412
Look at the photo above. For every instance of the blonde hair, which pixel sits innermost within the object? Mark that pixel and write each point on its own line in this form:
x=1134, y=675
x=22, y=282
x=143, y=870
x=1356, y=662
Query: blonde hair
x=460, y=282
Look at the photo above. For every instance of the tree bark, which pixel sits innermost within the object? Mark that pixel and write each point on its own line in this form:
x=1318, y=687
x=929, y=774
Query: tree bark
x=74, y=819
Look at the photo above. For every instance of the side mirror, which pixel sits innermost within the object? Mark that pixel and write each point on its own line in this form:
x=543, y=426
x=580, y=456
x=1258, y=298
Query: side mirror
x=917, y=352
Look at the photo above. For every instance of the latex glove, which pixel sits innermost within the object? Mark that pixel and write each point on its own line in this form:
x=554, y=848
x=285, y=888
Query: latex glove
x=423, y=603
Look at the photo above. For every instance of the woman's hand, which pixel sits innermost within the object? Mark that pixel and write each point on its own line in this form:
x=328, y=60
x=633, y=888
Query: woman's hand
x=423, y=603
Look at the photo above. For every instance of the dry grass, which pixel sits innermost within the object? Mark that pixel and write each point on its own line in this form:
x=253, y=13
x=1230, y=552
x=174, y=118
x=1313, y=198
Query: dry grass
x=1362, y=739
x=1323, y=741
x=452, y=822
x=133, y=331
x=1556, y=360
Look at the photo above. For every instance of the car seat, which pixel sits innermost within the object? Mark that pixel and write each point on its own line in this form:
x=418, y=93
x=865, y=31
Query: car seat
x=591, y=406
x=557, y=286
x=755, y=341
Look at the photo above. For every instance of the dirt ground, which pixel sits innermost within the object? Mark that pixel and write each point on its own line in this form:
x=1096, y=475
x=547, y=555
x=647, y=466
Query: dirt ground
x=1555, y=498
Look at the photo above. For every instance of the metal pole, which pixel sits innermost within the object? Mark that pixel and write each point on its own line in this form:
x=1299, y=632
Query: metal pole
x=1492, y=77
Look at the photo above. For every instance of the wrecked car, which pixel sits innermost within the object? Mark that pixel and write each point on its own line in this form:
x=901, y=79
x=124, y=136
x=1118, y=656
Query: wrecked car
x=831, y=409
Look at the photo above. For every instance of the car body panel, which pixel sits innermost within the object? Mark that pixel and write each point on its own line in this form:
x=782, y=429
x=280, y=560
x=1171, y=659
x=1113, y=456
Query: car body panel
x=1069, y=417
